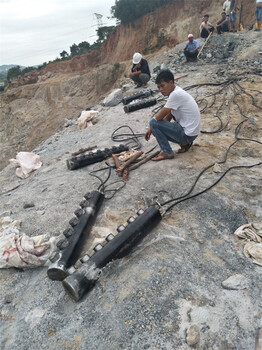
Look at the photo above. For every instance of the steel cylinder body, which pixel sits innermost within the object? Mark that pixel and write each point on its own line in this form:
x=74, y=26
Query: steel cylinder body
x=82, y=227
x=147, y=102
x=81, y=281
x=139, y=94
x=94, y=157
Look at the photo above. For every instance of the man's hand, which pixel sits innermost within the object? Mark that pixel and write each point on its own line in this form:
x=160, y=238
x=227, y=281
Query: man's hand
x=137, y=66
x=148, y=134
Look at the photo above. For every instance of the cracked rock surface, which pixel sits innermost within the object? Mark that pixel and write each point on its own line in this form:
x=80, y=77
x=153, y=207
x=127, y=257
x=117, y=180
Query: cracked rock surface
x=167, y=293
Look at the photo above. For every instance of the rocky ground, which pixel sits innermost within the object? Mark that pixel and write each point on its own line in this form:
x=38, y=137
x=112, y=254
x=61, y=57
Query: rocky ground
x=168, y=293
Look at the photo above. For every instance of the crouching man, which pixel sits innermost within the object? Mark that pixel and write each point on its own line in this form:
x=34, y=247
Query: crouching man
x=191, y=49
x=183, y=109
x=140, y=72
x=223, y=24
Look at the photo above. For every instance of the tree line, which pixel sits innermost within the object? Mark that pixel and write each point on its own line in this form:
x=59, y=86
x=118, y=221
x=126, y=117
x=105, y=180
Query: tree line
x=129, y=10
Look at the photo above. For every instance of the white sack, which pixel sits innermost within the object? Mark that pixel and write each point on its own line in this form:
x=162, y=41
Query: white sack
x=85, y=119
x=19, y=250
x=252, y=236
x=26, y=162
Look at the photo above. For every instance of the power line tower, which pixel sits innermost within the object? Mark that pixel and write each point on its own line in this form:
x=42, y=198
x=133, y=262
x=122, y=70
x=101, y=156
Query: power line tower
x=99, y=19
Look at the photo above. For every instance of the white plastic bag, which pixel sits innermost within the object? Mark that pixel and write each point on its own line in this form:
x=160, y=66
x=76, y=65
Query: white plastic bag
x=85, y=119
x=26, y=162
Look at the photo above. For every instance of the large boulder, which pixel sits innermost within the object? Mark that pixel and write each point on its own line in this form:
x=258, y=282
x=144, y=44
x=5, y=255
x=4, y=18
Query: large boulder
x=113, y=99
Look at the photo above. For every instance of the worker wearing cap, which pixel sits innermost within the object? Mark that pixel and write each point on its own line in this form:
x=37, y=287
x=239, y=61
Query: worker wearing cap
x=191, y=49
x=140, y=72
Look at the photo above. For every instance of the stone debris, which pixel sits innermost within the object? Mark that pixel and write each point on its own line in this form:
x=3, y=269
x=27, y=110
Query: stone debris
x=113, y=99
x=259, y=340
x=217, y=168
x=235, y=282
x=192, y=335
x=70, y=122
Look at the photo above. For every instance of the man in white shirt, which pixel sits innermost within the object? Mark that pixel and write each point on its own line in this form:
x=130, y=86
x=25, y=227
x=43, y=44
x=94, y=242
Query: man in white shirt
x=258, y=13
x=181, y=107
x=226, y=7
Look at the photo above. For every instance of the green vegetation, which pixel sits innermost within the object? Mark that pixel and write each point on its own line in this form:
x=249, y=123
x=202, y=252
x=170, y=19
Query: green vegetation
x=115, y=70
x=129, y=10
x=84, y=47
x=13, y=72
x=3, y=80
x=16, y=71
x=104, y=32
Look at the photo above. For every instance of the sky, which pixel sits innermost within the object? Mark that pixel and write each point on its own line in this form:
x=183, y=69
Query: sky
x=36, y=31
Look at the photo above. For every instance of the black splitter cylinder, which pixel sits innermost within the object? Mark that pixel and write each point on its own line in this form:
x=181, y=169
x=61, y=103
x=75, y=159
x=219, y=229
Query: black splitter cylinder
x=94, y=157
x=78, y=230
x=147, y=102
x=140, y=94
x=82, y=280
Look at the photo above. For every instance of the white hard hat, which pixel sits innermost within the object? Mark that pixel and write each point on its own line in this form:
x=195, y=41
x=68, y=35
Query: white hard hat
x=190, y=36
x=137, y=58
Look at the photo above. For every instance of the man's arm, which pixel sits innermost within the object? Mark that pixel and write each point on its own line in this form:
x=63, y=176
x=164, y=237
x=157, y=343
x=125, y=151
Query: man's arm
x=163, y=114
x=135, y=73
x=196, y=48
x=135, y=70
x=220, y=22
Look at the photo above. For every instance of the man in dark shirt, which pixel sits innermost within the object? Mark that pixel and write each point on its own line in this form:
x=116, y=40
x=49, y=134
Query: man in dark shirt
x=140, y=72
x=223, y=24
